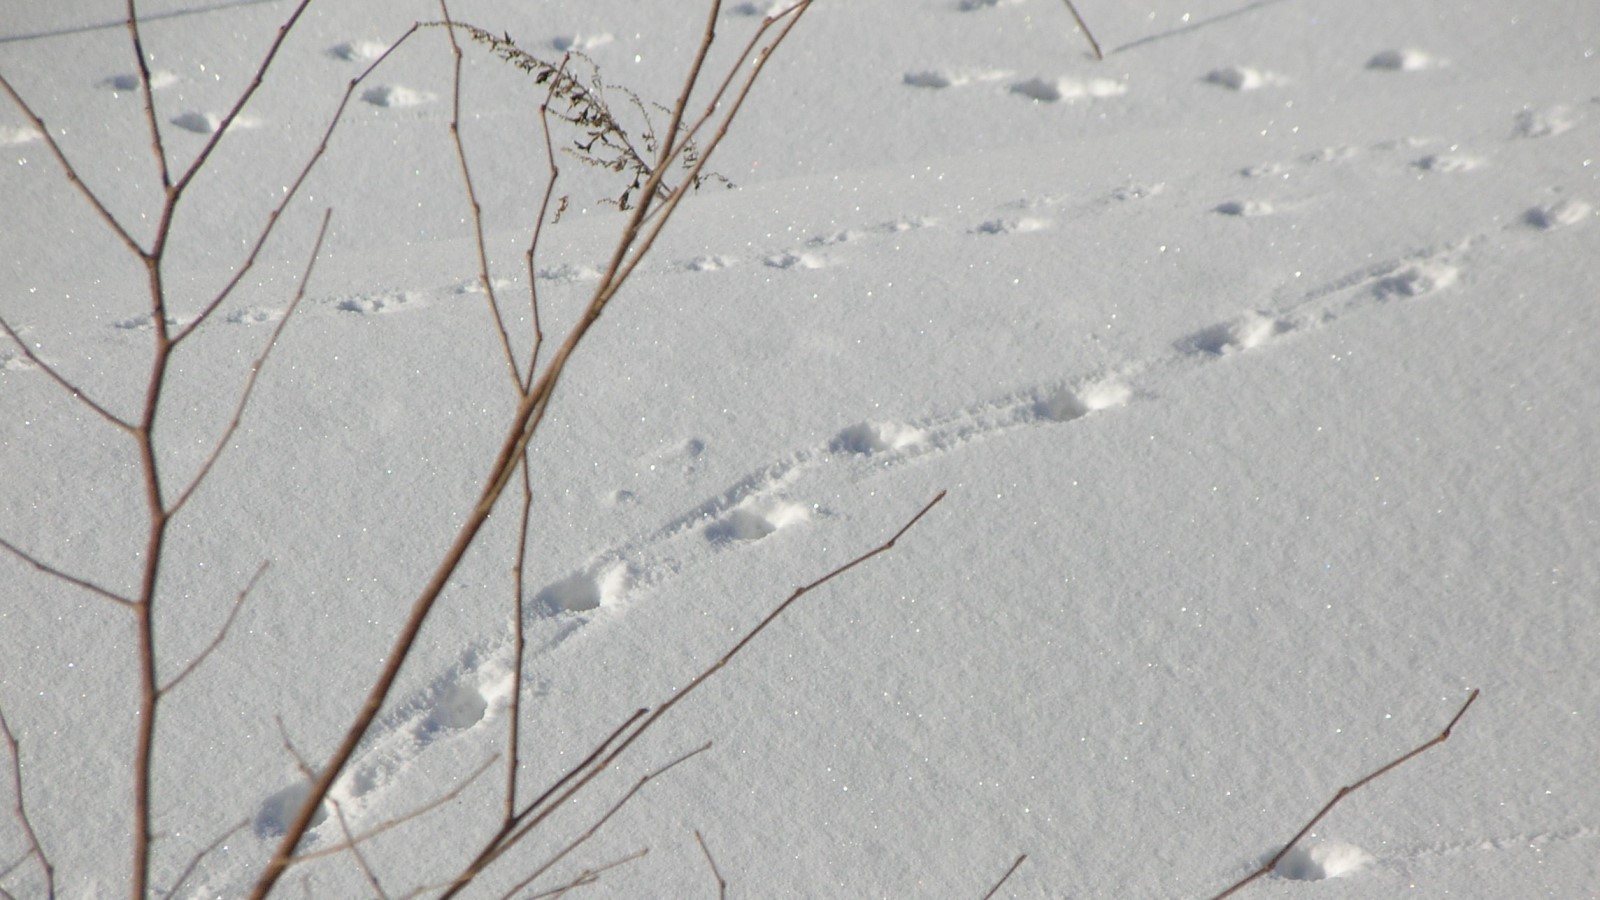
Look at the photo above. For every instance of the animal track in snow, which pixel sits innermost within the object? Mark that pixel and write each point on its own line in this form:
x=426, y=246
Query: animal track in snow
x=1546, y=122
x=953, y=77
x=1563, y=213
x=369, y=304
x=794, y=260
x=755, y=519
x=1054, y=90
x=583, y=43
x=583, y=591
x=1244, y=333
x=1403, y=60
x=277, y=811
x=12, y=136
x=127, y=81
x=358, y=51
x=1242, y=78
x=1417, y=279
x=1018, y=225
x=208, y=123
x=1245, y=208
x=1068, y=403
x=1449, y=163
x=867, y=438
x=1327, y=859
x=395, y=96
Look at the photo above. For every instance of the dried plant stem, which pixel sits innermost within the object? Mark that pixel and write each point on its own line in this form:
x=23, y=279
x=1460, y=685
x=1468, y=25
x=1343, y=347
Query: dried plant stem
x=222, y=633
x=1346, y=791
x=20, y=810
x=592, y=875
x=1003, y=878
x=623, y=737
x=397, y=821
x=73, y=580
x=1084, y=27
x=598, y=823
x=524, y=423
x=194, y=861
x=722, y=883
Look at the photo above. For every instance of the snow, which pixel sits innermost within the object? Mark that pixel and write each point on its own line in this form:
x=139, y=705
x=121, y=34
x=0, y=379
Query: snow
x=1258, y=361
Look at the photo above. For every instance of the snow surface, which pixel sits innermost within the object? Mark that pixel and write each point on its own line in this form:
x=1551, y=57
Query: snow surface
x=1259, y=361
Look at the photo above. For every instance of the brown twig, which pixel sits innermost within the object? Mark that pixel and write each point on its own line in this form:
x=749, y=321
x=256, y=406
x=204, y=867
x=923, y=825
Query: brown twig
x=355, y=851
x=605, y=817
x=1084, y=27
x=1014, y=866
x=222, y=633
x=396, y=822
x=60, y=379
x=1346, y=791
x=590, y=876
x=194, y=862
x=255, y=371
x=551, y=801
x=722, y=883
x=472, y=201
x=73, y=580
x=20, y=809
x=522, y=426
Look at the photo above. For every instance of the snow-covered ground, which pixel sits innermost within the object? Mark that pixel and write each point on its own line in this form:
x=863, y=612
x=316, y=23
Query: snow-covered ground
x=1259, y=361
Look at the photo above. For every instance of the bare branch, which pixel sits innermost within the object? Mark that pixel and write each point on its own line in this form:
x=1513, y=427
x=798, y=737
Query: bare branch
x=57, y=377
x=70, y=171
x=547, y=803
x=194, y=863
x=69, y=579
x=1014, y=866
x=255, y=372
x=20, y=809
x=146, y=92
x=222, y=633
x=605, y=817
x=1083, y=27
x=396, y=822
x=722, y=883
x=1344, y=792
x=590, y=876
x=291, y=191
x=472, y=200
x=355, y=851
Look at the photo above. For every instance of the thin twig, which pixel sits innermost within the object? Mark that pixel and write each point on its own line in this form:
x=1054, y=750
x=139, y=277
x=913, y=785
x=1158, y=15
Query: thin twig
x=20, y=809
x=605, y=817
x=996, y=889
x=1084, y=27
x=194, y=862
x=255, y=371
x=524, y=422
x=1344, y=792
x=222, y=633
x=550, y=801
x=472, y=201
x=722, y=883
x=73, y=580
x=590, y=876
x=147, y=94
x=71, y=171
x=396, y=822
x=60, y=380
x=289, y=193
x=355, y=851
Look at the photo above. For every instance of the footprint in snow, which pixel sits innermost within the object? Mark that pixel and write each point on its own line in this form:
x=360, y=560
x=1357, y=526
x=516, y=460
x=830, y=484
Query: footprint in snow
x=1242, y=78
x=1247, y=332
x=1403, y=60
x=370, y=304
x=1017, y=225
x=1417, y=279
x=939, y=79
x=754, y=520
x=127, y=81
x=1328, y=859
x=208, y=123
x=1066, y=88
x=1563, y=213
x=395, y=96
x=793, y=260
x=1546, y=122
x=869, y=438
x=1065, y=404
x=582, y=43
x=583, y=591
x=358, y=51
x=277, y=811
x=1449, y=163
x=1247, y=209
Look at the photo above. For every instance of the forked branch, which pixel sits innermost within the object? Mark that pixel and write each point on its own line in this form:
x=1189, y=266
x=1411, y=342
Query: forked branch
x=1346, y=791
x=20, y=810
